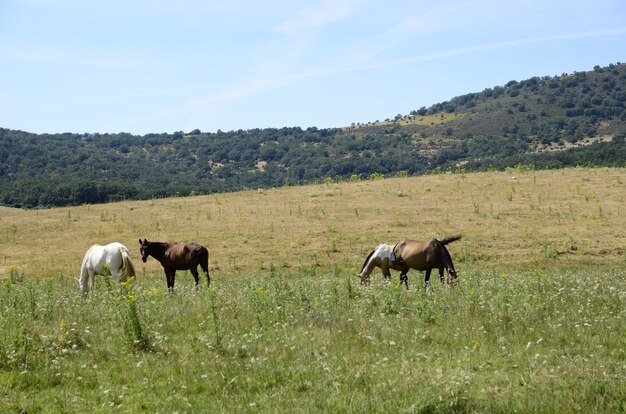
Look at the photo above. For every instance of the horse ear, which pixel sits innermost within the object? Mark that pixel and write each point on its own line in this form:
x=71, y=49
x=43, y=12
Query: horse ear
x=140, y=241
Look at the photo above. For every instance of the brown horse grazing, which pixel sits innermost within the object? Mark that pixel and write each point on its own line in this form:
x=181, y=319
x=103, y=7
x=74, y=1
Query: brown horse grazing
x=424, y=256
x=175, y=256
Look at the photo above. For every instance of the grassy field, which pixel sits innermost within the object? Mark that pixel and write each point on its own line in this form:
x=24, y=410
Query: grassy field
x=537, y=322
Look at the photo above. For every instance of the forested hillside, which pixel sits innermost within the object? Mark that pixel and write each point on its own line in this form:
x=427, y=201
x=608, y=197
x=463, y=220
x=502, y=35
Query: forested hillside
x=547, y=122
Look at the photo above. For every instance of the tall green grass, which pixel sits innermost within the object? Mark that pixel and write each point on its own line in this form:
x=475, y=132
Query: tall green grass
x=310, y=340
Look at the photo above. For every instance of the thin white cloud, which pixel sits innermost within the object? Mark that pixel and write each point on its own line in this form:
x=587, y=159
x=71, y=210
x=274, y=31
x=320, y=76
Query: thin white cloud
x=244, y=89
x=321, y=14
x=438, y=18
x=63, y=57
x=257, y=86
x=261, y=85
x=490, y=46
x=226, y=96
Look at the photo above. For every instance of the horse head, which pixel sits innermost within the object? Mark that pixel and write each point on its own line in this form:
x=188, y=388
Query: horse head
x=144, y=249
x=452, y=275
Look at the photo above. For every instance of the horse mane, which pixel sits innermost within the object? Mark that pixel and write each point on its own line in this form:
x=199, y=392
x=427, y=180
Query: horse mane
x=367, y=259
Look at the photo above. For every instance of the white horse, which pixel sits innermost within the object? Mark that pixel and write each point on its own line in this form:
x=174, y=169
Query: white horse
x=115, y=255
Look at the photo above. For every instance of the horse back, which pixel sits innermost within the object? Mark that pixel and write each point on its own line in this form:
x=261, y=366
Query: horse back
x=194, y=251
x=184, y=256
x=97, y=256
x=417, y=255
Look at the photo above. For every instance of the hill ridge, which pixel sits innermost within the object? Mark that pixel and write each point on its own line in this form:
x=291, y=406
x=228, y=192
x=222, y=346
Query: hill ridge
x=496, y=128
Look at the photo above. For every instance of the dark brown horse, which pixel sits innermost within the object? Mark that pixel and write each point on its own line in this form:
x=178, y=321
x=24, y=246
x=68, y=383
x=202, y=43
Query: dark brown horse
x=176, y=256
x=424, y=256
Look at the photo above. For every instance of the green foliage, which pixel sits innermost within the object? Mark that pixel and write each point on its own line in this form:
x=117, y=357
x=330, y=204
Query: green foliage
x=133, y=327
x=260, y=341
x=499, y=127
x=520, y=168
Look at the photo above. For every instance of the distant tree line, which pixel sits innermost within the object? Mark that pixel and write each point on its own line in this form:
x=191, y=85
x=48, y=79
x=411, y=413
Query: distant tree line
x=495, y=128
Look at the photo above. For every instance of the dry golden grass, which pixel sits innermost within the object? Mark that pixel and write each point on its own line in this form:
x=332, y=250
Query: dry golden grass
x=564, y=218
x=431, y=119
x=437, y=119
x=535, y=324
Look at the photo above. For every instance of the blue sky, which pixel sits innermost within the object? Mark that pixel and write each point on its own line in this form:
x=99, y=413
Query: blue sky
x=163, y=66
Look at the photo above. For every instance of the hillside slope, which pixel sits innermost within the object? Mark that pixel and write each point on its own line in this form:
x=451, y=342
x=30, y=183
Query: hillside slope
x=549, y=122
x=568, y=218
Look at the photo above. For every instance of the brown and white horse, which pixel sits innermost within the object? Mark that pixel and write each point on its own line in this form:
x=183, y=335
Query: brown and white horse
x=379, y=257
x=176, y=256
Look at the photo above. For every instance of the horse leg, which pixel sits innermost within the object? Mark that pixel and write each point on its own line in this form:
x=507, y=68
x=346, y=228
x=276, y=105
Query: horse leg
x=122, y=274
x=194, y=272
x=427, y=279
x=404, y=278
x=441, y=275
x=386, y=275
x=384, y=267
x=169, y=279
x=92, y=279
x=172, y=277
x=115, y=276
x=204, y=264
x=205, y=269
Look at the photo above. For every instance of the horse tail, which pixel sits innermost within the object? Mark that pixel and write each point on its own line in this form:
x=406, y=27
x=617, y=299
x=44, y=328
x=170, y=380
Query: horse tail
x=448, y=259
x=128, y=268
x=204, y=263
x=447, y=240
x=204, y=259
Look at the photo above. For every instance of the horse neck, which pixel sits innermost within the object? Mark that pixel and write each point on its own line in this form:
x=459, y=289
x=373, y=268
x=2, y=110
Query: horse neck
x=365, y=268
x=84, y=272
x=369, y=266
x=157, y=250
x=371, y=262
x=84, y=268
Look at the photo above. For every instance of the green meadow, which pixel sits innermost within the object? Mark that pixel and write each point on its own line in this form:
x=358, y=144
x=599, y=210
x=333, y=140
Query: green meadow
x=536, y=322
